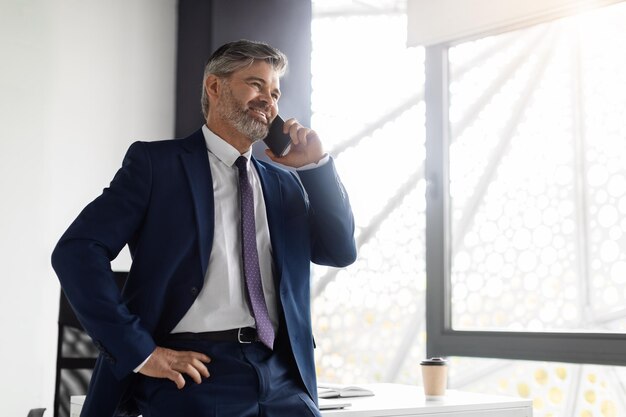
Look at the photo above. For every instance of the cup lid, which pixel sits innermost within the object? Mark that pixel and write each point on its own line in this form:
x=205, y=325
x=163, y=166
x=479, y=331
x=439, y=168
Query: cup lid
x=434, y=361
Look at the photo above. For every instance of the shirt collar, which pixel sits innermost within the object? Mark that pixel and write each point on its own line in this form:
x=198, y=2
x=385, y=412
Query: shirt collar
x=223, y=150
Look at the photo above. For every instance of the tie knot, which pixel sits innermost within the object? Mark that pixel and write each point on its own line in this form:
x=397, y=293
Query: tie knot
x=242, y=163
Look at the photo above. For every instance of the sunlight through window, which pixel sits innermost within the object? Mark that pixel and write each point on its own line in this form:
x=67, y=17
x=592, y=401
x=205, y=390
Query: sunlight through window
x=368, y=107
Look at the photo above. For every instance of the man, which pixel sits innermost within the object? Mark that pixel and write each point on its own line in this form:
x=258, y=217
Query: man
x=214, y=319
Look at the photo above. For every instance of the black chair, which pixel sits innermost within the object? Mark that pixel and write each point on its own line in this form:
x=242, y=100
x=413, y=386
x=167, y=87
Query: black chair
x=36, y=412
x=76, y=356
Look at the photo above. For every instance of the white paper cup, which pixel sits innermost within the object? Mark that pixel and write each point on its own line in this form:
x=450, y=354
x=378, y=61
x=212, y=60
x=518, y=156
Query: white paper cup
x=434, y=378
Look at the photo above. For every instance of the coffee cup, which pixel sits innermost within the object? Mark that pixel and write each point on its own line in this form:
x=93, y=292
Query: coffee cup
x=434, y=377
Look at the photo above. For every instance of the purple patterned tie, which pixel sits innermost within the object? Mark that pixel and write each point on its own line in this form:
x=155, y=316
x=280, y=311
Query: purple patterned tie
x=251, y=269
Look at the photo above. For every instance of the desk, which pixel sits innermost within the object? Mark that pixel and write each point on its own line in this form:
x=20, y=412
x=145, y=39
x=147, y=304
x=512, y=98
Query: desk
x=396, y=400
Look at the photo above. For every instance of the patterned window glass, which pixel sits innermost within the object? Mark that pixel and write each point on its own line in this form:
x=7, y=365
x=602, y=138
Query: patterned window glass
x=368, y=108
x=556, y=389
x=539, y=209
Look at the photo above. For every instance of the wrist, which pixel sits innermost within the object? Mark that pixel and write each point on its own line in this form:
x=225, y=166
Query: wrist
x=320, y=162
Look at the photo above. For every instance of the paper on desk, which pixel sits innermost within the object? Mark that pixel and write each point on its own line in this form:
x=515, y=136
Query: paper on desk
x=326, y=390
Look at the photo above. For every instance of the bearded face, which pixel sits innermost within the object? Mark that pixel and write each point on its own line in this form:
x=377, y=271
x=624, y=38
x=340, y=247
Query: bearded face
x=241, y=116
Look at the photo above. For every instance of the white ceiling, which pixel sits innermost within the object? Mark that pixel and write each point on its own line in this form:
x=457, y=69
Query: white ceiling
x=357, y=7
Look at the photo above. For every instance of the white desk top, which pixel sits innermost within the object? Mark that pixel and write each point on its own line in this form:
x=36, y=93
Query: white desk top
x=405, y=400
x=408, y=400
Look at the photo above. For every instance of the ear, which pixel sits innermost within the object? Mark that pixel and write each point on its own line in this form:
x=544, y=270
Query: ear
x=212, y=85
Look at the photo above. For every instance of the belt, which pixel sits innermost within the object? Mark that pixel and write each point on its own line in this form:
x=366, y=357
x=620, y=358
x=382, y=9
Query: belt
x=242, y=335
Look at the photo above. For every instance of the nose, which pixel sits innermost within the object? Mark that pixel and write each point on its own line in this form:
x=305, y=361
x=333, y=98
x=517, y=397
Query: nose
x=266, y=96
x=269, y=102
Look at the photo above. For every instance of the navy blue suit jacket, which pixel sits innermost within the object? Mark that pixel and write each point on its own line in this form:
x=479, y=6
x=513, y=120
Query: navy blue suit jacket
x=160, y=204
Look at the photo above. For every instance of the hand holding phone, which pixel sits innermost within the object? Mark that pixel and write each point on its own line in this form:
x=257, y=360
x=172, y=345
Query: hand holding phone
x=300, y=147
x=278, y=142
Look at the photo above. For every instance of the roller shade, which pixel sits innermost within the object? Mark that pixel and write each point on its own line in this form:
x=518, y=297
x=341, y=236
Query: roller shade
x=432, y=22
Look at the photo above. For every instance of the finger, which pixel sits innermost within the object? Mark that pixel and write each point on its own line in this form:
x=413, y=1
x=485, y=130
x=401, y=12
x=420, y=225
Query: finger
x=302, y=135
x=270, y=154
x=293, y=132
x=192, y=372
x=201, y=357
x=193, y=364
x=201, y=368
x=189, y=356
x=177, y=378
x=288, y=123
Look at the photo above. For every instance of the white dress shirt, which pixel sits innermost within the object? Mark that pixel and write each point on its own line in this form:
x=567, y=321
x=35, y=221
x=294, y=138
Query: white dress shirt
x=222, y=303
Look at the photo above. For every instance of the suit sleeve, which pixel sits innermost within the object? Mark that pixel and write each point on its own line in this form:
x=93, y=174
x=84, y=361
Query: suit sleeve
x=332, y=221
x=82, y=261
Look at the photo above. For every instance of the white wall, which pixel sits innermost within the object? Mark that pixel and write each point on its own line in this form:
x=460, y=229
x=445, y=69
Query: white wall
x=79, y=81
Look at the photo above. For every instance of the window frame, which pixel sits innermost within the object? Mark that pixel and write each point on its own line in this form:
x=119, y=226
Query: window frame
x=442, y=339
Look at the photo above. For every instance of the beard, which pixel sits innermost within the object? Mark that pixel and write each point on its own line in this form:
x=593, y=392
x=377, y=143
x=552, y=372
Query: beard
x=237, y=114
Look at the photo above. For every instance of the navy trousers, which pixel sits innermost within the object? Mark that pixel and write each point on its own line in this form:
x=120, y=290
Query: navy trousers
x=247, y=380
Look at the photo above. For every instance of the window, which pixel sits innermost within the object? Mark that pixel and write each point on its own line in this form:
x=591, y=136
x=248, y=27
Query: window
x=368, y=108
x=537, y=188
x=538, y=214
x=526, y=229
x=368, y=318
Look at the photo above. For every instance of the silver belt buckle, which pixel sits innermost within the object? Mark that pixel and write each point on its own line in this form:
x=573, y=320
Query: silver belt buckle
x=239, y=337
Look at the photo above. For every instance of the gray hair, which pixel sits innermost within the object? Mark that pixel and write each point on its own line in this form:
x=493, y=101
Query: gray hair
x=234, y=56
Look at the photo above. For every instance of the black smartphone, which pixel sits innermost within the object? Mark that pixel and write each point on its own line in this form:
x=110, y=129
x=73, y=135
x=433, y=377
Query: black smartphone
x=276, y=140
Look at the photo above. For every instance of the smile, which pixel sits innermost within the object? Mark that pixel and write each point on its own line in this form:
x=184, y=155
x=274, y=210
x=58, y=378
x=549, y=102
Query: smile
x=258, y=114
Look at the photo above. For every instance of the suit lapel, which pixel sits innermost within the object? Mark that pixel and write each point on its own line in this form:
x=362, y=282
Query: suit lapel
x=198, y=170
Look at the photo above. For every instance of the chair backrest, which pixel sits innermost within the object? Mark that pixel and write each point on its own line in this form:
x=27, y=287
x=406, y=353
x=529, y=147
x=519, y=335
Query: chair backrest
x=36, y=412
x=76, y=355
